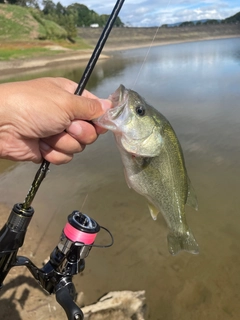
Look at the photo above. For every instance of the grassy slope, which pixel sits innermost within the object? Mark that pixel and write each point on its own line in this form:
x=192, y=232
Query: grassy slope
x=16, y=23
x=21, y=30
x=19, y=23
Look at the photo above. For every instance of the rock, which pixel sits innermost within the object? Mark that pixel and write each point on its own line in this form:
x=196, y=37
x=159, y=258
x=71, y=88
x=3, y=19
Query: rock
x=118, y=305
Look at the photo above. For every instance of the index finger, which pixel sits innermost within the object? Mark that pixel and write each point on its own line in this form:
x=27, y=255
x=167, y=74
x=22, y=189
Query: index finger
x=88, y=94
x=71, y=86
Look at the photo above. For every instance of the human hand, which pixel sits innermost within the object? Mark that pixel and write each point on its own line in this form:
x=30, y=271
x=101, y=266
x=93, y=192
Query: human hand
x=42, y=118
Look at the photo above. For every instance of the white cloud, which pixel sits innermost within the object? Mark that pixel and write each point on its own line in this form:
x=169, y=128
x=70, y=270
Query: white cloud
x=142, y=10
x=158, y=12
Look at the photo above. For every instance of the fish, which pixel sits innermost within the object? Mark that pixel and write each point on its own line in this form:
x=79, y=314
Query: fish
x=153, y=163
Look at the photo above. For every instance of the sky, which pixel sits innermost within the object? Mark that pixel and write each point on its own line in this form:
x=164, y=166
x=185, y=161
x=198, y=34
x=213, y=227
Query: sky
x=144, y=13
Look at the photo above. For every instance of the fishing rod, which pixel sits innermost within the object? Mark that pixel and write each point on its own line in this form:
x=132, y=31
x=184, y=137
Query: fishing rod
x=44, y=168
x=78, y=235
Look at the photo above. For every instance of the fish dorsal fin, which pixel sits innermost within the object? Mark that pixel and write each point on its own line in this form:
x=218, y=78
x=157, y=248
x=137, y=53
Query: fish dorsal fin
x=153, y=210
x=147, y=147
x=191, y=198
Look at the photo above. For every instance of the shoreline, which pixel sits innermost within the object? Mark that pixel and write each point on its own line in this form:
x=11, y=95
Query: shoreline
x=17, y=67
x=32, y=65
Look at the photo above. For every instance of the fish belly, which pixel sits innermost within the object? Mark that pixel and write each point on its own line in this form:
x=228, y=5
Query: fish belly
x=160, y=191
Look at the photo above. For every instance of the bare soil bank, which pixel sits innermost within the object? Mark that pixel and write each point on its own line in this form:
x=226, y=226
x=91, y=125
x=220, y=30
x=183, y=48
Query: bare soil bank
x=129, y=37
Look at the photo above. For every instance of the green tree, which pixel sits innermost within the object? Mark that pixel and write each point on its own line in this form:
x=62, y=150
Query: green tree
x=69, y=25
x=119, y=23
x=212, y=21
x=186, y=24
x=60, y=9
x=48, y=7
x=86, y=17
x=65, y=17
x=12, y=1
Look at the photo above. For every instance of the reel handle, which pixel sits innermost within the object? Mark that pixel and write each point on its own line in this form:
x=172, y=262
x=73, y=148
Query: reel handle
x=65, y=296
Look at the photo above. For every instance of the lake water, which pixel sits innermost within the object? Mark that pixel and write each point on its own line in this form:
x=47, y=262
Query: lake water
x=197, y=87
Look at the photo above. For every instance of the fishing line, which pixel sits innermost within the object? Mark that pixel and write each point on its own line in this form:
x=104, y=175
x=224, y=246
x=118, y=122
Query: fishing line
x=146, y=56
x=103, y=245
x=49, y=224
x=148, y=51
x=84, y=201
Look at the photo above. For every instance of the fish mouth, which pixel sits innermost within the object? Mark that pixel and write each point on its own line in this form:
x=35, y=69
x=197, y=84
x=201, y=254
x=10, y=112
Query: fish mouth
x=119, y=100
x=110, y=120
x=119, y=96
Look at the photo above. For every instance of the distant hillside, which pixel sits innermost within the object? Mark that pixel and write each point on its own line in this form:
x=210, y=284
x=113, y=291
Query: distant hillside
x=233, y=19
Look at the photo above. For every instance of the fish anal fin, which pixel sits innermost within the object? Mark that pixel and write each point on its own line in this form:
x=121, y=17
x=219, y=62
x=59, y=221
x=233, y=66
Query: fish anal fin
x=182, y=241
x=153, y=211
x=191, y=198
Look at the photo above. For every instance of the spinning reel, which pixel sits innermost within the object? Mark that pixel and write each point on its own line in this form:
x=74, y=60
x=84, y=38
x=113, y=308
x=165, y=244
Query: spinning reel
x=66, y=259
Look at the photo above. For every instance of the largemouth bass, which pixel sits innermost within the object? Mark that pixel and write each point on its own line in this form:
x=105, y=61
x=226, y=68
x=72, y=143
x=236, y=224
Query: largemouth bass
x=153, y=163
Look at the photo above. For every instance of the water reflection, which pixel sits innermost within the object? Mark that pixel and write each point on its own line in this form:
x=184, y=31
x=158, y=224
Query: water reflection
x=196, y=86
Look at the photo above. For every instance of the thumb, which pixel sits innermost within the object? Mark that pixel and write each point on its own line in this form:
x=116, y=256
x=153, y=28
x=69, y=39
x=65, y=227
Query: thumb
x=87, y=108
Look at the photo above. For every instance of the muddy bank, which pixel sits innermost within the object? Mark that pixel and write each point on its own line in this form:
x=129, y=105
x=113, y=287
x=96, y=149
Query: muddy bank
x=20, y=66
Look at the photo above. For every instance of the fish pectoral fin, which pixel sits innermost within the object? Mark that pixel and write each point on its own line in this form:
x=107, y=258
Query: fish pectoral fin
x=153, y=211
x=182, y=241
x=191, y=198
x=127, y=179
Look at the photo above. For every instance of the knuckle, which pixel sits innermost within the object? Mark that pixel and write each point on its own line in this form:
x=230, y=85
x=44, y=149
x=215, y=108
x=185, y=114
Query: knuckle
x=58, y=158
x=93, y=108
x=82, y=148
x=92, y=138
x=65, y=159
x=78, y=148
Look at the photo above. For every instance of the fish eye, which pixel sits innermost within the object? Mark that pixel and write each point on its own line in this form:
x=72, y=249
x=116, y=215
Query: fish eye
x=140, y=110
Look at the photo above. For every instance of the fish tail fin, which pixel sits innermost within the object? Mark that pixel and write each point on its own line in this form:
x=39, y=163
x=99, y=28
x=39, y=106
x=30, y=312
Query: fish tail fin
x=182, y=241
